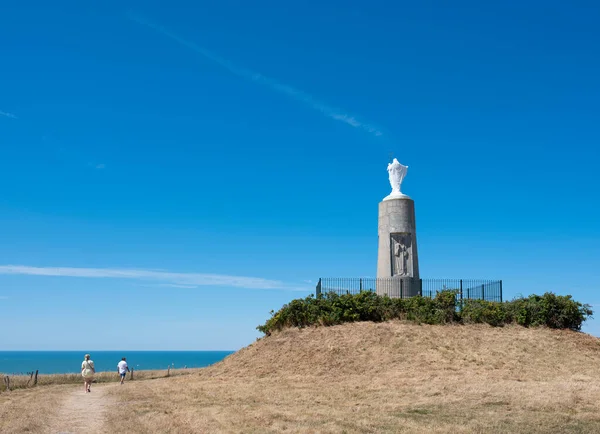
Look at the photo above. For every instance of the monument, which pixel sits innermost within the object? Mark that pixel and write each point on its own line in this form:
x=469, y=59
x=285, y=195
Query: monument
x=397, y=259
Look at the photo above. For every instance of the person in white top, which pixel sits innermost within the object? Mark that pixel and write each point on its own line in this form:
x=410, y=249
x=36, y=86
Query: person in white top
x=122, y=369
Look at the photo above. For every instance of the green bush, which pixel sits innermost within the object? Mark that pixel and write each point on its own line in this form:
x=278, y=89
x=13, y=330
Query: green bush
x=550, y=310
x=481, y=311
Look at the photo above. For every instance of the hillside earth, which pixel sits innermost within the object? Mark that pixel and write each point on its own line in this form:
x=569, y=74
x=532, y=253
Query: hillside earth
x=379, y=377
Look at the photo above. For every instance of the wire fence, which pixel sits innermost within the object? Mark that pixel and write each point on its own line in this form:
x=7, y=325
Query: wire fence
x=470, y=289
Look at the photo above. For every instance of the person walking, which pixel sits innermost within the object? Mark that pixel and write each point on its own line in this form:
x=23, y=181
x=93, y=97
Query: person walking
x=122, y=369
x=87, y=372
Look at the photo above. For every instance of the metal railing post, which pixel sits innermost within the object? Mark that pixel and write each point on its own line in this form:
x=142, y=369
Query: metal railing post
x=318, y=290
x=500, y=291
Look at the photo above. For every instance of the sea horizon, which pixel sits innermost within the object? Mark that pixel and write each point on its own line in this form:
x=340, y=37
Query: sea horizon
x=19, y=362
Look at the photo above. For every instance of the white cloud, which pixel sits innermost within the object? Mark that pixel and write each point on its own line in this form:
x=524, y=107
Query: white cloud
x=248, y=74
x=8, y=115
x=164, y=277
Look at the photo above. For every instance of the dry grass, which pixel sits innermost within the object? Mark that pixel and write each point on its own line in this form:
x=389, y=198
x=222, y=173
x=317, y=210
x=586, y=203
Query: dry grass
x=367, y=377
x=36, y=409
x=387, y=377
x=30, y=410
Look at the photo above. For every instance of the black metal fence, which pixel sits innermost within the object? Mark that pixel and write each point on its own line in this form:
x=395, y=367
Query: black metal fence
x=473, y=289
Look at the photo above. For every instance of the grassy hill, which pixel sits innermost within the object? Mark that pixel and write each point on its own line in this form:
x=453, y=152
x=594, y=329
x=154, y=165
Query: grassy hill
x=385, y=377
x=366, y=377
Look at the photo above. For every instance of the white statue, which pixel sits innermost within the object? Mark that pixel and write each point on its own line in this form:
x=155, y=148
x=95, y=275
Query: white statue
x=396, y=172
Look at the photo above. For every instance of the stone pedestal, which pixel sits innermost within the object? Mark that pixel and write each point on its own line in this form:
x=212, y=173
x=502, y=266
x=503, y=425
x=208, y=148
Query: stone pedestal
x=397, y=259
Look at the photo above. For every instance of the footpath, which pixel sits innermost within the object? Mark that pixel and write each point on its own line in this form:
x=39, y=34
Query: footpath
x=82, y=412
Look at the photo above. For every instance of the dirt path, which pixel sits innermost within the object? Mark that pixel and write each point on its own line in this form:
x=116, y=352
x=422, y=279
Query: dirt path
x=82, y=412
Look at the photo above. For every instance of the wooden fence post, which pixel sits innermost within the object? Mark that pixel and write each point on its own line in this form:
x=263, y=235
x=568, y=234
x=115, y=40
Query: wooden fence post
x=7, y=382
x=30, y=378
x=35, y=378
x=131, y=374
x=169, y=371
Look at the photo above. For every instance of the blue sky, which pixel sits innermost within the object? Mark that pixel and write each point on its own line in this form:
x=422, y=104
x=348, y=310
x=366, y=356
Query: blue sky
x=231, y=153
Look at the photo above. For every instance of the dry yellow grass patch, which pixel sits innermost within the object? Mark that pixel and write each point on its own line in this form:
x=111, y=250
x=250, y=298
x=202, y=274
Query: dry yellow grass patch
x=40, y=409
x=386, y=377
x=30, y=410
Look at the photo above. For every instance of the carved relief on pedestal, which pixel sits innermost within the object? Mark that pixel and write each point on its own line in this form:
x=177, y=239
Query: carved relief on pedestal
x=401, y=251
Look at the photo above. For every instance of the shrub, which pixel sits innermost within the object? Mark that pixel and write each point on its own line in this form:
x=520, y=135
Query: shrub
x=548, y=310
x=438, y=310
x=481, y=311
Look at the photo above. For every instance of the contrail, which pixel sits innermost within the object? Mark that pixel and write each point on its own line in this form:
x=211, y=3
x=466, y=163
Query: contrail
x=271, y=83
x=8, y=115
x=164, y=277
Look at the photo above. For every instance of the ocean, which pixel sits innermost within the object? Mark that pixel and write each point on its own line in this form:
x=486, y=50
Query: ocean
x=64, y=362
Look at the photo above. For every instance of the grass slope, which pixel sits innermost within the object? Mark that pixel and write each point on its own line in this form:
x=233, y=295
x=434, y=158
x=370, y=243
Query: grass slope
x=384, y=377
